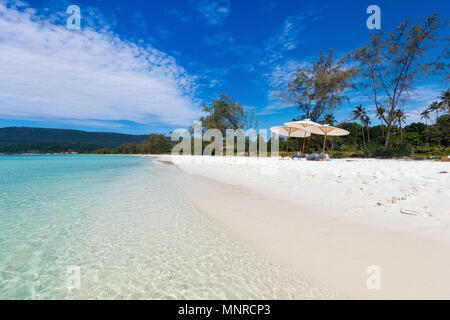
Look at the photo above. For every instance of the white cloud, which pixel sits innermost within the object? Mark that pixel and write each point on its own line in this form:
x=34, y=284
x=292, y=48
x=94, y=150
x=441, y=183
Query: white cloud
x=50, y=72
x=281, y=74
x=286, y=39
x=214, y=12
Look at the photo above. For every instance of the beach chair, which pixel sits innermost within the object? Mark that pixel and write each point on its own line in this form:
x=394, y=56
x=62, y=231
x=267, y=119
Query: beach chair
x=320, y=157
x=298, y=155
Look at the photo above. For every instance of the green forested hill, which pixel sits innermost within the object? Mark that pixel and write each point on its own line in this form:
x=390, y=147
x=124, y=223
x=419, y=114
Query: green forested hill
x=26, y=139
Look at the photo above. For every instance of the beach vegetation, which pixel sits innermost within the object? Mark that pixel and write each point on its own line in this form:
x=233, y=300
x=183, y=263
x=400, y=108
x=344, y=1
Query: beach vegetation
x=227, y=113
x=319, y=87
x=389, y=64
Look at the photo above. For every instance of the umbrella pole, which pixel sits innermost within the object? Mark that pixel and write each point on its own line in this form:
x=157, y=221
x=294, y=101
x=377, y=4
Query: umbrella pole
x=287, y=141
x=304, y=139
x=324, y=142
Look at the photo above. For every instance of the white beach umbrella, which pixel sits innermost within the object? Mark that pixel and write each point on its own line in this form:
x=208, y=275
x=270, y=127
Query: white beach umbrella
x=287, y=131
x=323, y=129
x=327, y=130
x=305, y=125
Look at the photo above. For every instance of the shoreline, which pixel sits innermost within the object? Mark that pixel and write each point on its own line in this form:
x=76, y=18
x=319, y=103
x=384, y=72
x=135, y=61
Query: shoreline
x=330, y=251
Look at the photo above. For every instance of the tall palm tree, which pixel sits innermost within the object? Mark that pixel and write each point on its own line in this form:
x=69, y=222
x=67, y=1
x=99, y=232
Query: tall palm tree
x=380, y=115
x=435, y=106
x=425, y=114
x=401, y=118
x=445, y=100
x=360, y=114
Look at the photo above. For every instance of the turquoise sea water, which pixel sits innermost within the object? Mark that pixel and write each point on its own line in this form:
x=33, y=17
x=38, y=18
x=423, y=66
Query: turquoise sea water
x=124, y=223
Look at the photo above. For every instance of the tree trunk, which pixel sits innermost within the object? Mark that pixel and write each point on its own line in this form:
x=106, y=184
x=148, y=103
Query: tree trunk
x=364, y=139
x=368, y=135
x=388, y=133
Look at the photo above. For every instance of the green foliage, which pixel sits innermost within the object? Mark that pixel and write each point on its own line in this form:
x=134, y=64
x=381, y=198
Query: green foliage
x=376, y=150
x=390, y=63
x=413, y=138
x=440, y=132
x=320, y=88
x=155, y=144
x=418, y=127
x=127, y=148
x=226, y=113
x=41, y=140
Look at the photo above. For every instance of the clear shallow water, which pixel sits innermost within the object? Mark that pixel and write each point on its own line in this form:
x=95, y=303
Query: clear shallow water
x=125, y=222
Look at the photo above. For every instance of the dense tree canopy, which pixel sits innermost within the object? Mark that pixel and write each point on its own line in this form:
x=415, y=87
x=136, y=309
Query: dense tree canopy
x=227, y=113
x=389, y=64
x=319, y=88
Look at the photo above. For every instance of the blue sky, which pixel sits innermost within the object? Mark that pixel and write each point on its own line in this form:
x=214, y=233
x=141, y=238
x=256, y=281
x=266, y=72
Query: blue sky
x=148, y=66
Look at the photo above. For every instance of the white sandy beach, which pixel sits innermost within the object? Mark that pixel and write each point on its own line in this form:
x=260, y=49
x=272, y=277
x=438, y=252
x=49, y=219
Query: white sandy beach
x=331, y=220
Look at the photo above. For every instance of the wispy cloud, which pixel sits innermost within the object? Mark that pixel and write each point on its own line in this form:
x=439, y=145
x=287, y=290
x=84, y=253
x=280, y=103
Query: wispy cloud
x=425, y=94
x=277, y=79
x=183, y=16
x=287, y=37
x=281, y=74
x=285, y=40
x=137, y=19
x=50, y=72
x=268, y=8
x=214, y=12
x=219, y=39
x=276, y=59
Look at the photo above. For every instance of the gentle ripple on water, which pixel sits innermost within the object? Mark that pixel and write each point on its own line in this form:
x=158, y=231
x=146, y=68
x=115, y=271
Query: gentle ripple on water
x=129, y=227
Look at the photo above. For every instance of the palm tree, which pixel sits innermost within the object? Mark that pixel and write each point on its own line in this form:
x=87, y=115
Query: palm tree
x=360, y=114
x=445, y=100
x=329, y=119
x=425, y=114
x=400, y=117
x=435, y=106
x=380, y=116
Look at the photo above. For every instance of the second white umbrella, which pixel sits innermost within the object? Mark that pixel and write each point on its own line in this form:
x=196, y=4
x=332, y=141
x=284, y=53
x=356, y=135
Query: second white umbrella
x=305, y=124
x=287, y=131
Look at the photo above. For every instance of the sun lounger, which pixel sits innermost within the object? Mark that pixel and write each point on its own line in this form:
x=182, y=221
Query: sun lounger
x=320, y=157
x=298, y=155
x=317, y=157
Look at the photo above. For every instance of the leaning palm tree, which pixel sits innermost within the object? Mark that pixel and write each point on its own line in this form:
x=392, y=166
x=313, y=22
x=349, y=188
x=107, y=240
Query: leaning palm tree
x=401, y=118
x=435, y=107
x=445, y=100
x=360, y=114
x=425, y=114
